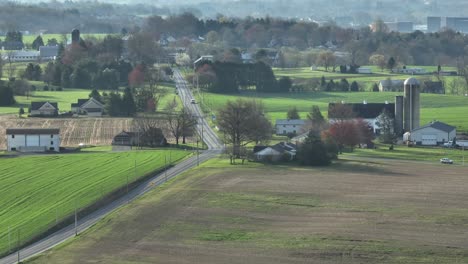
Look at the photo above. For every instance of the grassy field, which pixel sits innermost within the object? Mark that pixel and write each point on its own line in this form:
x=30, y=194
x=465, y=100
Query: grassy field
x=28, y=39
x=38, y=189
x=68, y=96
x=351, y=212
x=445, y=108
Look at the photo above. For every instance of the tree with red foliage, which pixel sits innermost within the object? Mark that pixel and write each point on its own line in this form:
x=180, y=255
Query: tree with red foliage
x=350, y=133
x=137, y=76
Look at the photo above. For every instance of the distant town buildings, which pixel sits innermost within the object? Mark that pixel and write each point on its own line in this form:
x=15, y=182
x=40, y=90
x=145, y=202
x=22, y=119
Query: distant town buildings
x=435, y=24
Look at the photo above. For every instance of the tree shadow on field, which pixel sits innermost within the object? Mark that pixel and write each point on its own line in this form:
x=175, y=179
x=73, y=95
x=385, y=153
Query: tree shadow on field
x=366, y=167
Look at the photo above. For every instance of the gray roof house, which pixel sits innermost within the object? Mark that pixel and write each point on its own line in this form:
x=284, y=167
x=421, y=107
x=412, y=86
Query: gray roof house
x=280, y=152
x=289, y=126
x=48, y=52
x=391, y=85
x=434, y=133
x=90, y=107
x=43, y=109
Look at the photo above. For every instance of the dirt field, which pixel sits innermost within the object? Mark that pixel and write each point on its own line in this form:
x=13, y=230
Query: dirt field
x=349, y=213
x=73, y=131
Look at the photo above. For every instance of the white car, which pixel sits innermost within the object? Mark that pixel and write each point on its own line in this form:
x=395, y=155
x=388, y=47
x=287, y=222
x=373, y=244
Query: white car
x=446, y=161
x=192, y=101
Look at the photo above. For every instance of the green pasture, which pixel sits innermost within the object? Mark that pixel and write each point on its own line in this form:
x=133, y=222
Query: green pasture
x=39, y=189
x=28, y=39
x=68, y=96
x=446, y=108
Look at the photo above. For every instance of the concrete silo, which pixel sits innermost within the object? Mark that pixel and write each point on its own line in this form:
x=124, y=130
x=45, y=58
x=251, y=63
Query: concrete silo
x=75, y=36
x=411, y=113
x=399, y=115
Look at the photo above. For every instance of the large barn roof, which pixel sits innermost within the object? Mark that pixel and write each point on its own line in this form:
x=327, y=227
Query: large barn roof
x=33, y=131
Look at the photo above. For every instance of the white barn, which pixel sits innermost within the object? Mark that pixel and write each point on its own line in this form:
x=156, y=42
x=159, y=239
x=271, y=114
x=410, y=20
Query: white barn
x=432, y=134
x=33, y=139
x=287, y=126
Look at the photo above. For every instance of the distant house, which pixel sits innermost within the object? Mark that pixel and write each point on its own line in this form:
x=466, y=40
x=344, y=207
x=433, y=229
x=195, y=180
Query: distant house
x=289, y=126
x=391, y=86
x=364, y=70
x=89, y=107
x=21, y=55
x=48, y=53
x=202, y=59
x=125, y=140
x=247, y=57
x=433, y=87
x=33, y=139
x=12, y=45
x=432, y=134
x=279, y=152
x=413, y=71
x=43, y=109
x=369, y=112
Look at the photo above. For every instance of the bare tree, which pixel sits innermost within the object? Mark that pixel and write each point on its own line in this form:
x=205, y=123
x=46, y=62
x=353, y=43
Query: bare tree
x=327, y=59
x=243, y=122
x=181, y=123
x=149, y=130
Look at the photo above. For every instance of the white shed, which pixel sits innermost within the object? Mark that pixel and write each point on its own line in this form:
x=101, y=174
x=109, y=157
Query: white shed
x=33, y=139
x=286, y=126
x=434, y=133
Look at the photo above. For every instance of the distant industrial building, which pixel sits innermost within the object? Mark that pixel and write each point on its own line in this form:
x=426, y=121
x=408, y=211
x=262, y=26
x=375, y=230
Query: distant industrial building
x=434, y=24
x=402, y=26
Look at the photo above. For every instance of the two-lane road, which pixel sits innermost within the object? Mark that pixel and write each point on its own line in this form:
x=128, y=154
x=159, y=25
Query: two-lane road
x=214, y=148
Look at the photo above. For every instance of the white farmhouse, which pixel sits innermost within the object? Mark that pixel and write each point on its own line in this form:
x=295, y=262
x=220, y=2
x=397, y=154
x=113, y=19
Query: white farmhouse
x=33, y=139
x=289, y=126
x=89, y=107
x=432, y=134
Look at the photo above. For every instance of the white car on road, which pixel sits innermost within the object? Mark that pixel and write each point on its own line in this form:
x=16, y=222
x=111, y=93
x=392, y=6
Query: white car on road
x=446, y=161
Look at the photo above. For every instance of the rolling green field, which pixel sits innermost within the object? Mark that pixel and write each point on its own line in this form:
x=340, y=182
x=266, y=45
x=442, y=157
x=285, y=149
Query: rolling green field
x=352, y=212
x=28, y=39
x=446, y=108
x=38, y=189
x=68, y=96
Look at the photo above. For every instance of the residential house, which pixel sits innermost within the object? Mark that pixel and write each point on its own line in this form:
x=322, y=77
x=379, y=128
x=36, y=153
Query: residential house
x=289, y=126
x=413, y=71
x=247, y=57
x=12, y=45
x=33, y=139
x=391, y=85
x=364, y=70
x=48, y=53
x=43, y=109
x=433, y=87
x=202, y=59
x=369, y=112
x=125, y=140
x=89, y=107
x=280, y=152
x=432, y=134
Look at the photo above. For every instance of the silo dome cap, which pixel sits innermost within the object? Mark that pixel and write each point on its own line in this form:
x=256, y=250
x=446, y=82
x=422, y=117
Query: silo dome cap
x=411, y=81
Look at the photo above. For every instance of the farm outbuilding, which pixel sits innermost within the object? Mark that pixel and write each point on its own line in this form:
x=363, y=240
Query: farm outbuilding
x=33, y=139
x=434, y=133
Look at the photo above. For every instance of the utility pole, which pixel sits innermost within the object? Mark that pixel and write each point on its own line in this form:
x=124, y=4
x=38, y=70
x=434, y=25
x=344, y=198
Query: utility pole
x=9, y=239
x=18, y=244
x=76, y=220
x=198, y=155
x=165, y=167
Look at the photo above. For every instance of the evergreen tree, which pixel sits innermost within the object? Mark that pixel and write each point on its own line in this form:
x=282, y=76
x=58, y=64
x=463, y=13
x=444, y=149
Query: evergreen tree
x=285, y=84
x=344, y=85
x=96, y=95
x=38, y=42
x=354, y=87
x=128, y=103
x=313, y=151
x=293, y=114
x=330, y=86
x=375, y=88
x=114, y=104
x=316, y=120
x=391, y=63
x=7, y=97
x=323, y=83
